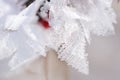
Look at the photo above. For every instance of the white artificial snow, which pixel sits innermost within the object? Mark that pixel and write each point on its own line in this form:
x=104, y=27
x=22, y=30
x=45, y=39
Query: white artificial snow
x=71, y=21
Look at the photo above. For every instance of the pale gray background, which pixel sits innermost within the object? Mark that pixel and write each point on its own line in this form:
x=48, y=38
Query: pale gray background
x=104, y=56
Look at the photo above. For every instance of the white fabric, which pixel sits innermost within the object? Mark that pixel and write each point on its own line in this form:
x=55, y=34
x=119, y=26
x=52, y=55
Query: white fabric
x=71, y=21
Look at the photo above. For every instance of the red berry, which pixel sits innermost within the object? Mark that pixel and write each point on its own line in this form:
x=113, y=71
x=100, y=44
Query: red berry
x=44, y=23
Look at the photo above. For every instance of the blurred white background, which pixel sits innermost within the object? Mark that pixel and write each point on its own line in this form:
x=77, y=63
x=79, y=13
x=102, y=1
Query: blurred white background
x=104, y=56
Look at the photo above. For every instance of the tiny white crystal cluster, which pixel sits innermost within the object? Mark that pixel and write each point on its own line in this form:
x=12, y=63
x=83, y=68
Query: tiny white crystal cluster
x=71, y=21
